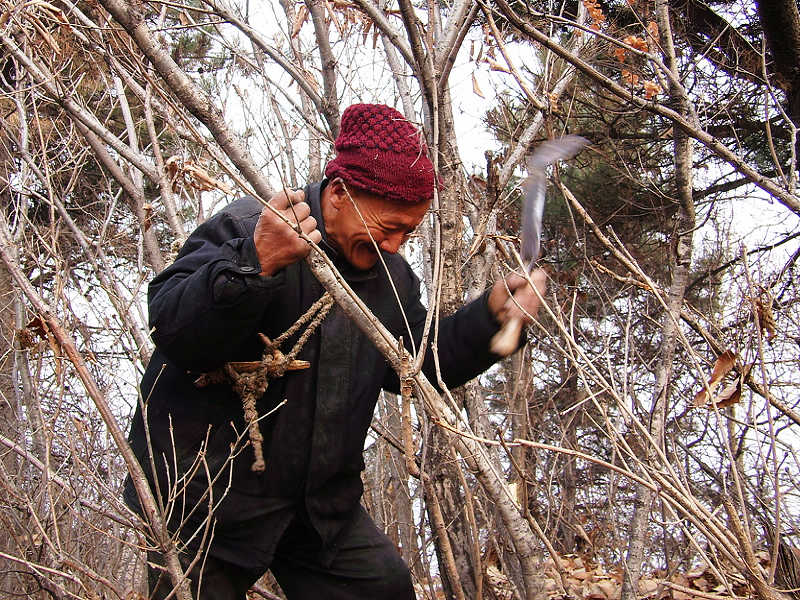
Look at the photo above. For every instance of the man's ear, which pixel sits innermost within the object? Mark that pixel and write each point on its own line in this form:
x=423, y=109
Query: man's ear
x=338, y=193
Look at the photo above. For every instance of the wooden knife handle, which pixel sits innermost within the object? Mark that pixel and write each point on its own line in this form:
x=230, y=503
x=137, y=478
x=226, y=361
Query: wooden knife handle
x=505, y=341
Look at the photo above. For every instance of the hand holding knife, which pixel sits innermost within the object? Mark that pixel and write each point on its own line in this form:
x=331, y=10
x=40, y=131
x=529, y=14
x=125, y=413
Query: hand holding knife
x=505, y=341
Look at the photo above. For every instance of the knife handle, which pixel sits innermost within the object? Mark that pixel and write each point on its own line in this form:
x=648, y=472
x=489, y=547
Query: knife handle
x=505, y=341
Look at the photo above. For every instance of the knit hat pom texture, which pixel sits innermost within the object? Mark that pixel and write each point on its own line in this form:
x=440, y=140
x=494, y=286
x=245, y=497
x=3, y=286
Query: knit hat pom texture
x=381, y=152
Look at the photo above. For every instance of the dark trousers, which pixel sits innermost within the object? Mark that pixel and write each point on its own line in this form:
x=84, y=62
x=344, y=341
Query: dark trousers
x=364, y=565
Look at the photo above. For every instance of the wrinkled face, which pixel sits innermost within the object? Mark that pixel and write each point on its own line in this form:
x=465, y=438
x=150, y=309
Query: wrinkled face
x=387, y=223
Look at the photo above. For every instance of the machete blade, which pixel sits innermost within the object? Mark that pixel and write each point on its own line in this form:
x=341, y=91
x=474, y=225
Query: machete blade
x=534, y=186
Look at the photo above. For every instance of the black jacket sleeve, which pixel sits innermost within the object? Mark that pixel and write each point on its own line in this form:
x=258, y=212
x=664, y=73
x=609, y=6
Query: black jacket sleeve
x=463, y=339
x=204, y=305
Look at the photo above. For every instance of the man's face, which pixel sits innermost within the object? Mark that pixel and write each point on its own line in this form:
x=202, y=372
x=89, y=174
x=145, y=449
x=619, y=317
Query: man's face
x=387, y=223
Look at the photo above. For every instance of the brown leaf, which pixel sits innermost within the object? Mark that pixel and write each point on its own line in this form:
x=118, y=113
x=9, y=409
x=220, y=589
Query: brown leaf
x=496, y=66
x=475, y=87
x=300, y=19
x=636, y=42
x=652, y=29
x=651, y=89
x=647, y=587
x=697, y=572
x=596, y=13
x=332, y=17
x=730, y=395
x=367, y=27
x=680, y=579
x=191, y=173
x=609, y=588
x=733, y=393
x=594, y=592
x=722, y=366
x=26, y=338
x=766, y=319
x=631, y=79
x=38, y=327
x=148, y=216
x=580, y=574
x=171, y=166
x=701, y=583
x=620, y=53
x=45, y=35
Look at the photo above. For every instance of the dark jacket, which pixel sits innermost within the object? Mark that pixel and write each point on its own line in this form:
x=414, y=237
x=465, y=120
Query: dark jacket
x=206, y=309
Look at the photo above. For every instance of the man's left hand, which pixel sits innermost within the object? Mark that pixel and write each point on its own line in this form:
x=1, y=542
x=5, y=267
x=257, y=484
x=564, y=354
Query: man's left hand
x=525, y=302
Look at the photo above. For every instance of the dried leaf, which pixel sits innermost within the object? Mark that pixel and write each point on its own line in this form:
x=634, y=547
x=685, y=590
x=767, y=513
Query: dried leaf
x=171, y=166
x=697, y=572
x=38, y=327
x=594, y=592
x=4, y=18
x=496, y=66
x=498, y=246
x=636, y=42
x=722, y=366
x=190, y=173
x=148, y=216
x=478, y=246
x=46, y=6
x=730, y=395
x=680, y=579
x=631, y=79
x=651, y=89
x=595, y=13
x=579, y=574
x=701, y=583
x=620, y=53
x=480, y=54
x=45, y=35
x=647, y=587
x=332, y=17
x=609, y=588
x=652, y=29
x=367, y=27
x=300, y=19
x=766, y=319
x=25, y=338
x=475, y=87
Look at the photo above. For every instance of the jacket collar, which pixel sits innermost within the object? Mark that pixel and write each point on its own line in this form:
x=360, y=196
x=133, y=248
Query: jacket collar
x=349, y=272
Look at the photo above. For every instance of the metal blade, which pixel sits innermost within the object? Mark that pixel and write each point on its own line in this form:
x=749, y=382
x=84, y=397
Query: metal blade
x=533, y=205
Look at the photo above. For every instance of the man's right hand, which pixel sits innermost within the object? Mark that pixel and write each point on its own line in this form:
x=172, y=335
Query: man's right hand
x=279, y=244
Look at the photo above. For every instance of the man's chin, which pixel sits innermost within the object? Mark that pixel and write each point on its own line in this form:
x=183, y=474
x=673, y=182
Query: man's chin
x=364, y=261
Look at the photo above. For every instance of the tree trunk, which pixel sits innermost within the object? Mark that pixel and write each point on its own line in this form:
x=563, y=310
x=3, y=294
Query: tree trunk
x=444, y=480
x=8, y=295
x=780, y=20
x=680, y=262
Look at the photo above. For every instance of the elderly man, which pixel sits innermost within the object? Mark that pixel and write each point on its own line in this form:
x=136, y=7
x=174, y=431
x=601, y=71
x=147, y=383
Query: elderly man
x=241, y=273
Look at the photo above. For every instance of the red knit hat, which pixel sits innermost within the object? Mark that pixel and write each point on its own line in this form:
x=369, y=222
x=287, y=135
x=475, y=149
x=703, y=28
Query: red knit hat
x=380, y=152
